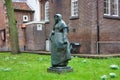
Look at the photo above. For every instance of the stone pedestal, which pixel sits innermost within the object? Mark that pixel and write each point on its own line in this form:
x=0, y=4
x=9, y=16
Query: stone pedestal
x=60, y=69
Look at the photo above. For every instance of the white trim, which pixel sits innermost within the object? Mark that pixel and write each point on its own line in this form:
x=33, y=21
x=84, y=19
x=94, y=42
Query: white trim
x=116, y=9
x=35, y=22
x=72, y=7
x=109, y=7
x=19, y=0
x=2, y=35
x=47, y=6
x=48, y=45
x=74, y=0
x=25, y=18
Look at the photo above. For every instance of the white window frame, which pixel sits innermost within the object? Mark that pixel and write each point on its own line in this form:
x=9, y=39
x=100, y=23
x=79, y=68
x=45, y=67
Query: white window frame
x=107, y=8
x=47, y=6
x=74, y=8
x=115, y=9
x=25, y=18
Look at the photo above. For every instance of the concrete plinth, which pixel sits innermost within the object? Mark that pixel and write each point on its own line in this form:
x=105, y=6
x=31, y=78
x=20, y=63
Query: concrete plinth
x=60, y=69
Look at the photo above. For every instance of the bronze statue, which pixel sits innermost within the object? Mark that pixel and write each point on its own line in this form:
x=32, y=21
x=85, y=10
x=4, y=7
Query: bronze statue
x=60, y=46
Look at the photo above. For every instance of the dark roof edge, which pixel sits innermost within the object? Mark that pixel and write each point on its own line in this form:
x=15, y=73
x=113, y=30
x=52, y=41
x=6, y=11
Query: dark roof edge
x=24, y=10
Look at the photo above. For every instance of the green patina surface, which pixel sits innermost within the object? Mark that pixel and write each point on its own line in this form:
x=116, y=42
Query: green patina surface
x=60, y=46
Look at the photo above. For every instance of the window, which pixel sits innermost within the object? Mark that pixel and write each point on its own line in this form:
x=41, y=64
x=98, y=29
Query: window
x=25, y=18
x=74, y=7
x=111, y=7
x=115, y=8
x=106, y=7
x=47, y=11
x=2, y=32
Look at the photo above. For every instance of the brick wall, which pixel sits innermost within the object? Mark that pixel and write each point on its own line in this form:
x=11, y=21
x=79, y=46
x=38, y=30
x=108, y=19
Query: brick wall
x=81, y=28
x=19, y=16
x=4, y=38
x=109, y=31
x=84, y=29
x=2, y=16
x=19, y=19
x=35, y=39
x=5, y=44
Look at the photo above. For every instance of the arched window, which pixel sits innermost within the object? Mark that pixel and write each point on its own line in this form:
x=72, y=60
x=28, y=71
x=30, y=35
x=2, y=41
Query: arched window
x=47, y=11
x=74, y=7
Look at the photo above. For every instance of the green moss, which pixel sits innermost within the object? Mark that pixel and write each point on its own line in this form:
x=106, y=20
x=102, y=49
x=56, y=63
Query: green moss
x=12, y=27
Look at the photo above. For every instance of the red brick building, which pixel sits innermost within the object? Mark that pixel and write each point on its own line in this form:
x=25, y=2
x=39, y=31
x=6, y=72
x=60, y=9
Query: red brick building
x=2, y=25
x=23, y=14
x=4, y=36
x=95, y=24
x=31, y=33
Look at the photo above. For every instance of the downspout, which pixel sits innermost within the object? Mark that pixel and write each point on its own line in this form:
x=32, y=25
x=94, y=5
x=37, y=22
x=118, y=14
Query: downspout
x=98, y=29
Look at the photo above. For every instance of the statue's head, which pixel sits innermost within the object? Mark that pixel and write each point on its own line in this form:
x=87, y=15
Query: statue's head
x=58, y=17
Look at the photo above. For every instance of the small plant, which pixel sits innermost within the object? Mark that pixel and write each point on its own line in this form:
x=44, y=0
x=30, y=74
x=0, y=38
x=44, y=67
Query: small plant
x=104, y=77
x=34, y=67
x=84, y=61
x=6, y=58
x=112, y=75
x=6, y=69
x=113, y=66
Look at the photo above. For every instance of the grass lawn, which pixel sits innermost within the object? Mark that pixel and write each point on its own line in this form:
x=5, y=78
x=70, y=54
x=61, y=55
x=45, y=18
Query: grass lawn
x=34, y=67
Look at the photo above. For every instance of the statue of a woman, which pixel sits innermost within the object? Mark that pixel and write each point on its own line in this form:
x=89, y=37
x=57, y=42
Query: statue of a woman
x=60, y=46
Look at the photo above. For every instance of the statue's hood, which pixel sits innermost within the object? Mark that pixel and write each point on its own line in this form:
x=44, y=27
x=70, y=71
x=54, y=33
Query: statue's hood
x=59, y=15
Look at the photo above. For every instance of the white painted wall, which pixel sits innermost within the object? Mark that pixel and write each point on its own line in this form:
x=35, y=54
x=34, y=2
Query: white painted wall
x=19, y=0
x=34, y=5
x=48, y=45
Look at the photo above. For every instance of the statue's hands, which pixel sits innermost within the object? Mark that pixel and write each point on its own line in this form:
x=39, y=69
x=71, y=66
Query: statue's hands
x=50, y=37
x=52, y=33
x=65, y=42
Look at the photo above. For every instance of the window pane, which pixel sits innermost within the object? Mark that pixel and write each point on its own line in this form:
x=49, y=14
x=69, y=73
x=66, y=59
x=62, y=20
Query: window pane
x=115, y=7
x=74, y=8
x=47, y=11
x=107, y=7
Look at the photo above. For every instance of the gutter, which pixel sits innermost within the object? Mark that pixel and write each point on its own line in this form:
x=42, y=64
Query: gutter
x=98, y=28
x=35, y=22
x=24, y=10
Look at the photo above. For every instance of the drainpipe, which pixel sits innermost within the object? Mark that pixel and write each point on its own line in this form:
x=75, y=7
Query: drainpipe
x=98, y=29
